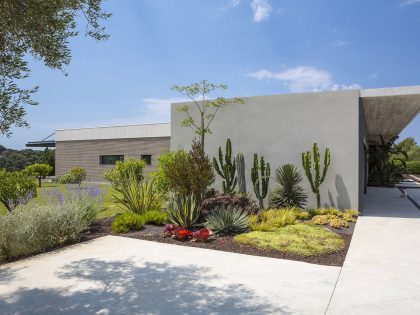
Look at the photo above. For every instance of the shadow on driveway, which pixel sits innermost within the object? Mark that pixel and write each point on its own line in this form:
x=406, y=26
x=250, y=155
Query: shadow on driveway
x=122, y=287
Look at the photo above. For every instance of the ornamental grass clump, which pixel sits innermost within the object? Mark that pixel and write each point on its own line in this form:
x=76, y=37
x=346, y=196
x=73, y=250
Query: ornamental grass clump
x=228, y=221
x=138, y=197
x=272, y=219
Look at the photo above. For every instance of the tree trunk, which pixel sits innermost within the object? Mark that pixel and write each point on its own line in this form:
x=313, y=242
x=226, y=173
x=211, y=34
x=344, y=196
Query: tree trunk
x=39, y=181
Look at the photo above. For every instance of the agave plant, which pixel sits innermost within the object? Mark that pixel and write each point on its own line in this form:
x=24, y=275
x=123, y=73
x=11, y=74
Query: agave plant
x=288, y=193
x=183, y=210
x=228, y=221
x=138, y=197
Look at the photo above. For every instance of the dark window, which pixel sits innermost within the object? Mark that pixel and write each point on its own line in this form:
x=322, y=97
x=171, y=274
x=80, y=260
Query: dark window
x=110, y=159
x=147, y=158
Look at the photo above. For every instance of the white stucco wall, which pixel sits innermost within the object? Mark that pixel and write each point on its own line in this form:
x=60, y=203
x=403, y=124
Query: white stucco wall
x=281, y=127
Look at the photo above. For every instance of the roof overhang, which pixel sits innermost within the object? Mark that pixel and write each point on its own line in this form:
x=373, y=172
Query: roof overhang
x=388, y=111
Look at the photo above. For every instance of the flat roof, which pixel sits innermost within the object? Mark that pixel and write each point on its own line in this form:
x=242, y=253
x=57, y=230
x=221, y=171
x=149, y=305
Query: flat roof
x=389, y=110
x=115, y=132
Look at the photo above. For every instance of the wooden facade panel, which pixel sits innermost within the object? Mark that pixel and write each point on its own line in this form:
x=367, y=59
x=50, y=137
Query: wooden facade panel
x=86, y=153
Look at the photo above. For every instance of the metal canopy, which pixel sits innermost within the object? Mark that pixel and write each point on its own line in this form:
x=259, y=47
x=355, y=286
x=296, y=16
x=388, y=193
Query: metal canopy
x=388, y=111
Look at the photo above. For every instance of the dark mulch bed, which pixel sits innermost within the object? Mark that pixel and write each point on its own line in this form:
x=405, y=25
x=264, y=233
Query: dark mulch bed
x=154, y=233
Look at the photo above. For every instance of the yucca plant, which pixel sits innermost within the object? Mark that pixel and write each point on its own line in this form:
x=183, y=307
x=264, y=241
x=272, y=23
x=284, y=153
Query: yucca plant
x=183, y=210
x=138, y=197
x=228, y=221
x=288, y=193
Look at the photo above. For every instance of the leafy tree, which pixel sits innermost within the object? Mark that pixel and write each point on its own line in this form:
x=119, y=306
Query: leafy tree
x=41, y=29
x=78, y=175
x=207, y=109
x=410, y=146
x=40, y=171
x=16, y=188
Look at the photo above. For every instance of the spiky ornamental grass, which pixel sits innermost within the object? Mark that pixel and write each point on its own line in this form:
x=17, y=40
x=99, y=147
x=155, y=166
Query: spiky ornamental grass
x=228, y=221
x=183, y=210
x=288, y=192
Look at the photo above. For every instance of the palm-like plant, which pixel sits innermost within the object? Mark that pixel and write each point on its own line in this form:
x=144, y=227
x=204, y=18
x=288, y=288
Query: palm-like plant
x=183, y=210
x=228, y=221
x=385, y=167
x=138, y=197
x=288, y=192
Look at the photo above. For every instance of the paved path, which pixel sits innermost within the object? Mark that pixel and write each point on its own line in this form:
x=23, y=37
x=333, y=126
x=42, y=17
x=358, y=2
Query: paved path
x=381, y=274
x=116, y=275
x=113, y=275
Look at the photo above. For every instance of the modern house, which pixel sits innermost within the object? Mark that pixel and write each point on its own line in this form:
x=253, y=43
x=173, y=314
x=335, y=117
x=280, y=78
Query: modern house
x=98, y=149
x=281, y=127
x=278, y=127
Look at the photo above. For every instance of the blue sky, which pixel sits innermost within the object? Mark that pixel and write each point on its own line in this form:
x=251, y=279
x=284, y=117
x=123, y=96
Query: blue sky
x=255, y=46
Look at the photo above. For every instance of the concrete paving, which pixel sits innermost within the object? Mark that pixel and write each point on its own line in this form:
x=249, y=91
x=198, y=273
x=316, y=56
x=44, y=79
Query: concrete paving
x=116, y=275
x=381, y=274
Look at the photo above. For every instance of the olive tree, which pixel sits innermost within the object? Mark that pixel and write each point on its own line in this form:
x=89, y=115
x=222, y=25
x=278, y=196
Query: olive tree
x=16, y=188
x=41, y=29
x=40, y=171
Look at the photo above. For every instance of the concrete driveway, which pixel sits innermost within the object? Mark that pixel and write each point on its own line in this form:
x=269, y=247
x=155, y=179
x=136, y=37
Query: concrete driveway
x=116, y=275
x=381, y=274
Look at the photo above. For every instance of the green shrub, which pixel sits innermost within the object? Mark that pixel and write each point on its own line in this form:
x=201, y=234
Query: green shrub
x=123, y=169
x=155, y=217
x=272, y=219
x=39, y=171
x=183, y=210
x=299, y=239
x=34, y=228
x=138, y=197
x=288, y=192
x=350, y=215
x=413, y=167
x=76, y=176
x=185, y=172
x=228, y=221
x=16, y=188
x=127, y=222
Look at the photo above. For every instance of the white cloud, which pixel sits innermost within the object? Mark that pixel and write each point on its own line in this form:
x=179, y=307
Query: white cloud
x=158, y=109
x=303, y=79
x=261, y=9
x=409, y=2
x=340, y=43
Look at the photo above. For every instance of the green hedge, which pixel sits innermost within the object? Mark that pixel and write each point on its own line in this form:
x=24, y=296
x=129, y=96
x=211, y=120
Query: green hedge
x=413, y=167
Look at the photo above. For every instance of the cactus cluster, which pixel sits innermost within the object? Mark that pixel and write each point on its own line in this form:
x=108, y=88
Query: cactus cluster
x=260, y=183
x=308, y=164
x=227, y=169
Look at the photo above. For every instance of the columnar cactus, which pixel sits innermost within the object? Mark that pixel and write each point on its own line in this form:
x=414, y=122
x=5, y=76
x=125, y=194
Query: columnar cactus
x=227, y=169
x=260, y=184
x=240, y=170
x=308, y=164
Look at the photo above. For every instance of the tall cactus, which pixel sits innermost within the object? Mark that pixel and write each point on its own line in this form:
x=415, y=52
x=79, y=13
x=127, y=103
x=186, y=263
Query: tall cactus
x=308, y=164
x=240, y=171
x=227, y=169
x=260, y=184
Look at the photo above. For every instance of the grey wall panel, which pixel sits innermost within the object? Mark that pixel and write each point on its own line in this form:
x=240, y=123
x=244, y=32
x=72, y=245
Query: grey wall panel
x=86, y=153
x=281, y=127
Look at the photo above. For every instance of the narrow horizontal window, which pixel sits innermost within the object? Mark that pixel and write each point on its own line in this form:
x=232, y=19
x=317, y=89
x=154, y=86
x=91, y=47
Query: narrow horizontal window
x=110, y=159
x=147, y=158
